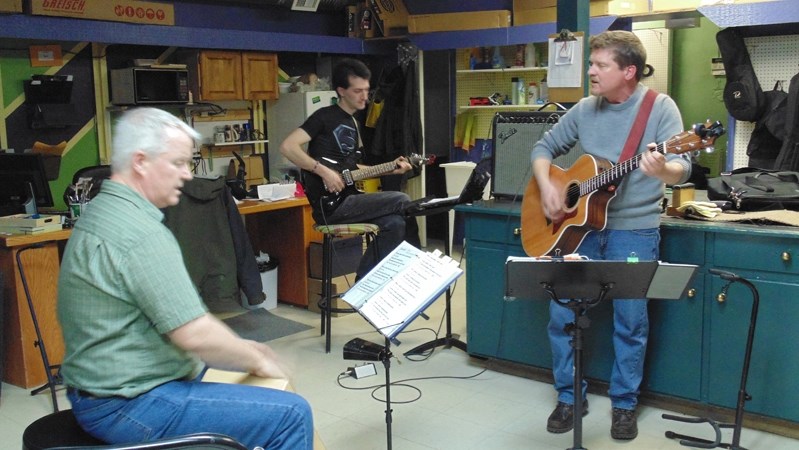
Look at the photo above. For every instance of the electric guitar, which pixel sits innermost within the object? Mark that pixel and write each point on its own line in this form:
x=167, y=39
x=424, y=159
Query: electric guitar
x=589, y=186
x=329, y=201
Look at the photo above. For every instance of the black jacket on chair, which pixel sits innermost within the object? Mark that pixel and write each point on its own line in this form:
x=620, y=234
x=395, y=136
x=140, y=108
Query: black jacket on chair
x=215, y=245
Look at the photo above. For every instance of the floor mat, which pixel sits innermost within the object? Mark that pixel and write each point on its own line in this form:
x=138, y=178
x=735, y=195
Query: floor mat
x=261, y=325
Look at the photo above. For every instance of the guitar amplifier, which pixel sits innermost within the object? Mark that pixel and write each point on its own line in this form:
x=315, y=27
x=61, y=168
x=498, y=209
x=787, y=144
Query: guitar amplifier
x=515, y=133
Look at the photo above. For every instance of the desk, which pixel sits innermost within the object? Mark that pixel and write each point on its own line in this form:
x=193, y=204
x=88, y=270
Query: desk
x=284, y=229
x=22, y=362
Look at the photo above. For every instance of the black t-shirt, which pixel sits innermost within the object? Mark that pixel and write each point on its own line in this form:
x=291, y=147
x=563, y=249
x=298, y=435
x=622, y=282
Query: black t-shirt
x=334, y=141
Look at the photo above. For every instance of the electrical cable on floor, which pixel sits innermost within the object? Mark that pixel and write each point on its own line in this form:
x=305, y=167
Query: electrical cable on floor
x=403, y=383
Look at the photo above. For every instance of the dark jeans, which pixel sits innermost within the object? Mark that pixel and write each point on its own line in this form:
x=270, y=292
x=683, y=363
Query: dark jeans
x=384, y=209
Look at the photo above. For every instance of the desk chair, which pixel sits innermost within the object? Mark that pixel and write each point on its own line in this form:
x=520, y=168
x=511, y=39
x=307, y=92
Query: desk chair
x=61, y=431
x=369, y=232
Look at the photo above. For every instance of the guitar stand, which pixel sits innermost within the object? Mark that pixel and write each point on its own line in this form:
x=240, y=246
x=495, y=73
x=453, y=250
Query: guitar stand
x=743, y=397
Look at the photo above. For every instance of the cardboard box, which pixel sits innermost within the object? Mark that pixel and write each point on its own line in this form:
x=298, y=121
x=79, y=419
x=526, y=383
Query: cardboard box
x=347, y=254
x=340, y=285
x=392, y=15
x=599, y=8
x=113, y=10
x=475, y=20
x=24, y=220
x=12, y=6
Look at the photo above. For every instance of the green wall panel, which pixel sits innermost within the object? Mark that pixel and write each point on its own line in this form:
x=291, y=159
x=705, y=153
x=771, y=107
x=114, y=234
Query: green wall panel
x=696, y=91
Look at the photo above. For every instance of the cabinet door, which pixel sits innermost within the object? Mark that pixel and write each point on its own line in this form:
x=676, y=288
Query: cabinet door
x=259, y=73
x=220, y=75
x=774, y=362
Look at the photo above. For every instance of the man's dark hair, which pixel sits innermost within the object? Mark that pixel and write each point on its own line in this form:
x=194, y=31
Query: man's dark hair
x=347, y=68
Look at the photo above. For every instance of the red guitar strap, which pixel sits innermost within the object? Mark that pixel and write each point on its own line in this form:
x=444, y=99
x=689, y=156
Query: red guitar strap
x=637, y=131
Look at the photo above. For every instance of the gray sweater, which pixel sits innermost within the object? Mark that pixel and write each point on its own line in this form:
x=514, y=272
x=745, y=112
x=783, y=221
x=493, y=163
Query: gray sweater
x=602, y=130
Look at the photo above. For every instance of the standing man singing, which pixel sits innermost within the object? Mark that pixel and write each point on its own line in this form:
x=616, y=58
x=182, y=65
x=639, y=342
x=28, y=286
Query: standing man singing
x=135, y=328
x=617, y=64
x=334, y=144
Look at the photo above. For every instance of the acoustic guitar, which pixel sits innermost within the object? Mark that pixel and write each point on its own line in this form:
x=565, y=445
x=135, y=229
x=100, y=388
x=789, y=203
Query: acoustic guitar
x=589, y=186
x=331, y=200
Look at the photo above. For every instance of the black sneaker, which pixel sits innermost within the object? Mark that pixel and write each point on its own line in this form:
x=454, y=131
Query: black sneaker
x=562, y=418
x=624, y=424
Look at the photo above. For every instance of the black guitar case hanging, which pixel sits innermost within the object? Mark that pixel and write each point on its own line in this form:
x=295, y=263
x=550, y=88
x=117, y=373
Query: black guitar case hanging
x=788, y=158
x=743, y=96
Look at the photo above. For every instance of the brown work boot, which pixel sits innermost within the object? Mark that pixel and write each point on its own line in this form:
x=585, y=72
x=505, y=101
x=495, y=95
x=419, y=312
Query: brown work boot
x=562, y=418
x=624, y=424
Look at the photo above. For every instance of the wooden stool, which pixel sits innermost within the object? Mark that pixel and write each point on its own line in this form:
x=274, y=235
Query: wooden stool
x=369, y=231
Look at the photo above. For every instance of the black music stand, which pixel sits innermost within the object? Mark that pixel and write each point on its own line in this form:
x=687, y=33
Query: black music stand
x=580, y=285
x=472, y=191
x=449, y=339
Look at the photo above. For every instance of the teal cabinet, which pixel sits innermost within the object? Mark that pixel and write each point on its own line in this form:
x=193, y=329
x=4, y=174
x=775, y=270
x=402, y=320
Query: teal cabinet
x=696, y=344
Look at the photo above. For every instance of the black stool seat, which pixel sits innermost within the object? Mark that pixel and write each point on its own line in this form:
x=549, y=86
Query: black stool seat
x=59, y=429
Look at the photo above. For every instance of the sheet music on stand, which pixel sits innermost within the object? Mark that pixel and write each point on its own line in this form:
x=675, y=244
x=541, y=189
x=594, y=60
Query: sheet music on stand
x=401, y=287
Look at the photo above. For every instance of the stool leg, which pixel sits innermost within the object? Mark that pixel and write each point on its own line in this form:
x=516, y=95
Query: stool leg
x=327, y=288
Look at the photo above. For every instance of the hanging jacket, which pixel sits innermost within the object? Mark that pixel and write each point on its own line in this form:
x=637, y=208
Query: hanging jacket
x=216, y=249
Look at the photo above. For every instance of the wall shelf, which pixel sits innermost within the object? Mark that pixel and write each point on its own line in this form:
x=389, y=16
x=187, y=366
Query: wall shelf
x=508, y=69
x=237, y=143
x=501, y=107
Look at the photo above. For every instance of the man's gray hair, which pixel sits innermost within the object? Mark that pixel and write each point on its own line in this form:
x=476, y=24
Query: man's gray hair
x=146, y=130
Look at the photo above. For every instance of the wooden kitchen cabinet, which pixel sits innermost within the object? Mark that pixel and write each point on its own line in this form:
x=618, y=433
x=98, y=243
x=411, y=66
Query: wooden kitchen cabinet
x=230, y=75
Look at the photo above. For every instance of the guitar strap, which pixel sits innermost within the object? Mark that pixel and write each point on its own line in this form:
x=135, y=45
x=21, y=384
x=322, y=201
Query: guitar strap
x=637, y=131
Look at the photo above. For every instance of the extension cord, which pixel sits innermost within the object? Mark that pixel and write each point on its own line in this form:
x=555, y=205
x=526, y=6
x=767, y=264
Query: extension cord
x=362, y=371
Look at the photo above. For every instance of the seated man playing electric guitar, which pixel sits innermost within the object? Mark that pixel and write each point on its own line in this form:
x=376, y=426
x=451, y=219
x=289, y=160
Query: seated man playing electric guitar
x=334, y=146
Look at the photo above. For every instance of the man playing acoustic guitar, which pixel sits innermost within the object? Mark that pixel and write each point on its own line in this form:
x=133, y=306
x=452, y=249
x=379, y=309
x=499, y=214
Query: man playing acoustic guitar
x=334, y=145
x=601, y=123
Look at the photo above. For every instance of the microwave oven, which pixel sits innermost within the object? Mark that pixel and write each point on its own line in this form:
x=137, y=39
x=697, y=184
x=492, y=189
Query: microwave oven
x=145, y=85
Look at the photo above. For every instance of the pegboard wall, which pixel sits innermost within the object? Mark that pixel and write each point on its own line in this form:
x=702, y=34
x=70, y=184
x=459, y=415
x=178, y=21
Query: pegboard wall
x=774, y=58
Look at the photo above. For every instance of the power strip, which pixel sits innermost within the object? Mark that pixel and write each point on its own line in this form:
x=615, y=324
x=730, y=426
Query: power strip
x=362, y=371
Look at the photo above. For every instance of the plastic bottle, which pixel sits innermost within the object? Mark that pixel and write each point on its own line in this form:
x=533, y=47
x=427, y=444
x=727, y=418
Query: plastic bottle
x=497, y=61
x=532, y=93
x=522, y=92
x=519, y=61
x=514, y=90
x=529, y=55
x=543, y=90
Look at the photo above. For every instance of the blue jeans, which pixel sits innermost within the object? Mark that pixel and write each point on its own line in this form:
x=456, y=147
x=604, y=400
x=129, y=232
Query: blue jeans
x=385, y=209
x=630, y=321
x=254, y=416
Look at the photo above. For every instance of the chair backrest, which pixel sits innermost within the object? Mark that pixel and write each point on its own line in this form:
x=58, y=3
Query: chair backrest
x=60, y=431
x=96, y=173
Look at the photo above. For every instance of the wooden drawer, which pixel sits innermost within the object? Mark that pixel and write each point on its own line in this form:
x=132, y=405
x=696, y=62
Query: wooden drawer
x=766, y=253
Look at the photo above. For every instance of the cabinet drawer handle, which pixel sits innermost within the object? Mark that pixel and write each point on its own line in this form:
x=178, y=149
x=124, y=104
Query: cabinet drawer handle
x=786, y=256
x=691, y=293
x=722, y=297
x=517, y=231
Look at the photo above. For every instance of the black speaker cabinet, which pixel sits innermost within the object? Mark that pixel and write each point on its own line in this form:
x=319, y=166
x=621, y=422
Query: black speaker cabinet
x=515, y=133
